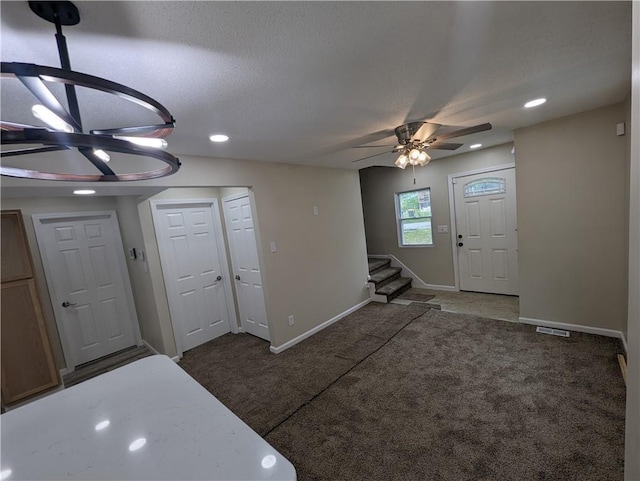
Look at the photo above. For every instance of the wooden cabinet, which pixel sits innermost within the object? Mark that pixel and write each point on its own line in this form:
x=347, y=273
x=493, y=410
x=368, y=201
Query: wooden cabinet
x=28, y=366
x=16, y=261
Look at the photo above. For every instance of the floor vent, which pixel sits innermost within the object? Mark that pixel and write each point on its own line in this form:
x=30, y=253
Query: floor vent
x=553, y=332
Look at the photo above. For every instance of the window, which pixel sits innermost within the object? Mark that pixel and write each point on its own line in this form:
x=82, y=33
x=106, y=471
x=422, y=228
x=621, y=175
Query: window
x=414, y=218
x=486, y=186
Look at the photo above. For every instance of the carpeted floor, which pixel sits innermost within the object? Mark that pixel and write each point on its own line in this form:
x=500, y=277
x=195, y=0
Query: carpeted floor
x=264, y=389
x=439, y=396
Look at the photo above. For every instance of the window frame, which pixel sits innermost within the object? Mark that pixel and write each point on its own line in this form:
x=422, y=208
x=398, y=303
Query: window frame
x=399, y=219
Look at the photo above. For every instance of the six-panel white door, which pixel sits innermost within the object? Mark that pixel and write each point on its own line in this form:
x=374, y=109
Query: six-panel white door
x=88, y=283
x=190, y=251
x=485, y=211
x=246, y=266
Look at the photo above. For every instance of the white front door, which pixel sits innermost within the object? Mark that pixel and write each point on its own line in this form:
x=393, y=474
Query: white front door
x=88, y=283
x=486, y=230
x=190, y=243
x=246, y=266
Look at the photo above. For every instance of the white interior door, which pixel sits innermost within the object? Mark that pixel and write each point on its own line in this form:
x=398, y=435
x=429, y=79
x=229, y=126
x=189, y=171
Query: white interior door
x=88, y=283
x=190, y=241
x=246, y=266
x=486, y=229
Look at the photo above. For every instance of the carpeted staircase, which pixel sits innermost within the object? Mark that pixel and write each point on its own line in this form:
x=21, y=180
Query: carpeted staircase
x=385, y=281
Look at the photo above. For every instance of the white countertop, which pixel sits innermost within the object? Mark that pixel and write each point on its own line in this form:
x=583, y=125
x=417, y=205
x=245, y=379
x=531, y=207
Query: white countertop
x=91, y=430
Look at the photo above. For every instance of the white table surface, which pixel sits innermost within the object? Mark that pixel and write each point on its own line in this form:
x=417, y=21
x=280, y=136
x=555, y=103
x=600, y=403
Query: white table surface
x=189, y=433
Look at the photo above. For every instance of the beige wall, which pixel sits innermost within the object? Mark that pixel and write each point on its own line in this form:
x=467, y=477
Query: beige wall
x=35, y=205
x=572, y=224
x=433, y=265
x=632, y=448
x=320, y=268
x=143, y=294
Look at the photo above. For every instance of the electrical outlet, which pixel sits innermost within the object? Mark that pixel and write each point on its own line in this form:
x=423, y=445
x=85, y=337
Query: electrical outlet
x=292, y=320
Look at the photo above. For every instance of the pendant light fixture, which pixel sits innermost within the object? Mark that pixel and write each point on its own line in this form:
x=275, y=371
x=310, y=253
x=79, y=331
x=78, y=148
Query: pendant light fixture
x=64, y=126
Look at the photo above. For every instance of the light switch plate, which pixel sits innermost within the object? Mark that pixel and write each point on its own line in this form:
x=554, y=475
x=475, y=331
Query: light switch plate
x=443, y=229
x=273, y=247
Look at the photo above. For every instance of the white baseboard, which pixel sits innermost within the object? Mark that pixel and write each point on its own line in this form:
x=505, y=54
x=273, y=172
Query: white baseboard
x=155, y=351
x=437, y=287
x=311, y=332
x=406, y=272
x=150, y=347
x=576, y=327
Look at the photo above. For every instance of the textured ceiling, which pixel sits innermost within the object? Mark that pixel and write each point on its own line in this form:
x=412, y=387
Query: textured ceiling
x=303, y=82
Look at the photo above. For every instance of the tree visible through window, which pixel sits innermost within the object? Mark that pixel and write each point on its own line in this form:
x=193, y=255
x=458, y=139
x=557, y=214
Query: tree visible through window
x=414, y=218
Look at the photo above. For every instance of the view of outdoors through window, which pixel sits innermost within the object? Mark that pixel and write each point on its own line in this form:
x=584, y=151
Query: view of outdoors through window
x=414, y=218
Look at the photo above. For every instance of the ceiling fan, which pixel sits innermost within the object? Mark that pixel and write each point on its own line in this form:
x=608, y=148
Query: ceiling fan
x=416, y=138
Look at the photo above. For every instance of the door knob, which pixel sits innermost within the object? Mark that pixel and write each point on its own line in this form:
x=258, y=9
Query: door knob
x=67, y=304
x=219, y=278
x=460, y=244
x=459, y=236
x=237, y=277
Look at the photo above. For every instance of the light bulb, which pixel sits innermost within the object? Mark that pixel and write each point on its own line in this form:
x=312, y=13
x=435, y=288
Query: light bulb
x=145, y=141
x=414, y=154
x=51, y=119
x=102, y=155
x=424, y=158
x=402, y=161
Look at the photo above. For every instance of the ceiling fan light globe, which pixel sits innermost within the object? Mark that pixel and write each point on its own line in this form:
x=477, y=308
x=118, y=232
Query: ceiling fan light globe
x=414, y=154
x=424, y=157
x=402, y=161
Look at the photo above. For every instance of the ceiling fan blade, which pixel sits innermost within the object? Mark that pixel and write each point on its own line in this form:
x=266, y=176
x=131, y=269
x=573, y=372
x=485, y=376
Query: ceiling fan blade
x=371, y=146
x=374, y=155
x=445, y=146
x=425, y=131
x=467, y=131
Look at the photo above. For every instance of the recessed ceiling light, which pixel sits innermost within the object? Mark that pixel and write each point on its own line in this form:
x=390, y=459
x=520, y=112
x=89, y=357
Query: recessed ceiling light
x=475, y=146
x=84, y=192
x=137, y=444
x=219, y=138
x=534, y=103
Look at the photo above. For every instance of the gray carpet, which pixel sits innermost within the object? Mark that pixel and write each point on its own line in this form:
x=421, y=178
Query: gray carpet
x=264, y=389
x=446, y=397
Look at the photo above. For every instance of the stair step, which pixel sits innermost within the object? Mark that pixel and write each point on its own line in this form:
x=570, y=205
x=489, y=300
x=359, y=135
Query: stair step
x=386, y=274
x=375, y=264
x=394, y=288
